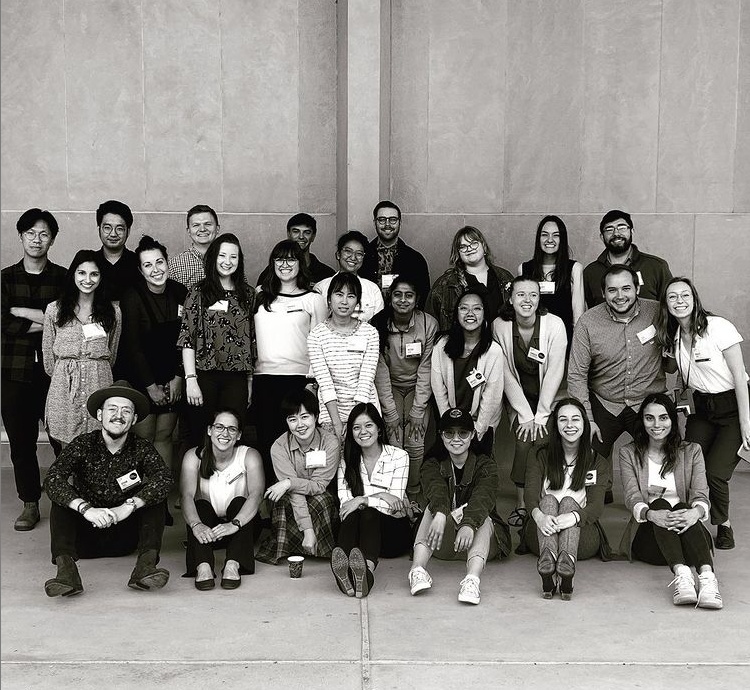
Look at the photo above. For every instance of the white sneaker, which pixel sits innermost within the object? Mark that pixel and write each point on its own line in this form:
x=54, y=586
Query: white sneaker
x=684, y=588
x=468, y=591
x=708, y=591
x=419, y=580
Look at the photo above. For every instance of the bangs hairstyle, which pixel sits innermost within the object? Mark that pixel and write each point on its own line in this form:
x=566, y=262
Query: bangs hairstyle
x=672, y=443
x=666, y=324
x=205, y=452
x=506, y=311
x=210, y=287
x=103, y=312
x=31, y=217
x=294, y=401
x=270, y=288
x=345, y=280
x=470, y=233
x=555, y=455
x=384, y=318
x=353, y=451
x=454, y=346
x=562, y=257
x=148, y=243
x=118, y=209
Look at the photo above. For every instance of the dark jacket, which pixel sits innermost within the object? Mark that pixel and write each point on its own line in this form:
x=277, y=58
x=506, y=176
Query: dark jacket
x=407, y=260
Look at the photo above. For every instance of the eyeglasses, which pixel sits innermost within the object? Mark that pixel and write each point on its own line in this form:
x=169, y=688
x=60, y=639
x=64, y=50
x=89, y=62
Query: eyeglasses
x=114, y=229
x=450, y=434
x=43, y=235
x=469, y=246
x=348, y=253
x=220, y=429
x=383, y=220
x=620, y=227
x=285, y=262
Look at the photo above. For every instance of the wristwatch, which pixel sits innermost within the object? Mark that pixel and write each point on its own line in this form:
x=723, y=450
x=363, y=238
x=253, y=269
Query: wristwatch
x=131, y=502
x=237, y=523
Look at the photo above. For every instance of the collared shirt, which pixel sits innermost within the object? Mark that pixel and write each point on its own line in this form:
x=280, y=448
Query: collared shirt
x=619, y=362
x=386, y=257
x=21, y=349
x=187, y=267
x=120, y=275
x=94, y=471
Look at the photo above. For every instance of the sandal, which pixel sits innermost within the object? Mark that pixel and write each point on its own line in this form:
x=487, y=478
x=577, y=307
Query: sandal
x=517, y=517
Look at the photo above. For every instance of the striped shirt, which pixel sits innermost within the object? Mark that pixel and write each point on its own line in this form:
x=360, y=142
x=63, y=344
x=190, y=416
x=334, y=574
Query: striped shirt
x=344, y=367
x=187, y=267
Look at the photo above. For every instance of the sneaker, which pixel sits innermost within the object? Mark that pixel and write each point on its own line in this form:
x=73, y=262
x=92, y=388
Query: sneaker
x=419, y=580
x=708, y=591
x=724, y=537
x=468, y=591
x=684, y=589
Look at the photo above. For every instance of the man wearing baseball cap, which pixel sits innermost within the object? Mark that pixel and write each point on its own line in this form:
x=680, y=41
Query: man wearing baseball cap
x=108, y=490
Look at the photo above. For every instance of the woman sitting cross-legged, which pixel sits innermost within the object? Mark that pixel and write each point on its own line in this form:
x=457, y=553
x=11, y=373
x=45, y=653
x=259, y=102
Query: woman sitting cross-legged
x=305, y=460
x=565, y=485
x=222, y=484
x=374, y=509
x=664, y=479
x=460, y=488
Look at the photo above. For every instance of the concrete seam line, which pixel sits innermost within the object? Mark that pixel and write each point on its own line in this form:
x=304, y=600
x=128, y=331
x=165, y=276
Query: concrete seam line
x=365, y=622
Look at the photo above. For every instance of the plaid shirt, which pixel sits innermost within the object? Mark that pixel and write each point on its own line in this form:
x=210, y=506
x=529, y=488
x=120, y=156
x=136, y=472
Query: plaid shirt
x=21, y=289
x=187, y=267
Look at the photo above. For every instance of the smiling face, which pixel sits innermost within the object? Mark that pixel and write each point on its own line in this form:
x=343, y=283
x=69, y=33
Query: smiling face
x=202, y=229
x=365, y=431
x=403, y=299
x=87, y=277
x=470, y=250
x=470, y=313
x=153, y=267
x=286, y=268
x=117, y=415
x=224, y=432
x=351, y=257
x=617, y=236
x=549, y=238
x=680, y=300
x=37, y=240
x=387, y=225
x=457, y=440
x=570, y=423
x=343, y=302
x=227, y=259
x=303, y=235
x=113, y=232
x=525, y=298
x=656, y=422
x=302, y=425
x=620, y=293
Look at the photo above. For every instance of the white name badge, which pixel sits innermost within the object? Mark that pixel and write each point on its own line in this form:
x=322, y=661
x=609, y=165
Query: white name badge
x=546, y=287
x=221, y=305
x=293, y=309
x=180, y=310
x=357, y=343
x=379, y=481
x=414, y=349
x=647, y=334
x=129, y=480
x=458, y=515
x=315, y=458
x=590, y=478
x=387, y=280
x=476, y=378
x=700, y=356
x=640, y=279
x=536, y=355
x=91, y=331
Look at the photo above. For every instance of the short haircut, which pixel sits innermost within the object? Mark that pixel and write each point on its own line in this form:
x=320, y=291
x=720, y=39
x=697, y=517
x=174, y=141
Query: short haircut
x=31, y=217
x=385, y=204
x=348, y=237
x=201, y=208
x=116, y=207
x=616, y=269
x=147, y=243
x=302, y=219
x=345, y=280
x=615, y=214
x=295, y=400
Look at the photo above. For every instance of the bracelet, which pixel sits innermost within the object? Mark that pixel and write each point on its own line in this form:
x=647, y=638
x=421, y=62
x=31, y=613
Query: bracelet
x=195, y=524
x=577, y=517
x=645, y=515
x=190, y=376
x=83, y=507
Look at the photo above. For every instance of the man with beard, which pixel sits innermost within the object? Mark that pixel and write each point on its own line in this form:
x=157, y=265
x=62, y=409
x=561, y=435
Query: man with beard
x=652, y=272
x=108, y=490
x=615, y=361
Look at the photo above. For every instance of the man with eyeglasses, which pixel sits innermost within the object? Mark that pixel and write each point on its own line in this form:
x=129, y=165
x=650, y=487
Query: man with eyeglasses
x=27, y=288
x=114, y=219
x=202, y=228
x=388, y=255
x=302, y=228
x=616, y=230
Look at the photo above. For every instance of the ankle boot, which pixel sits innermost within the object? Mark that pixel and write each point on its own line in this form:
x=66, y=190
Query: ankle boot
x=146, y=575
x=545, y=566
x=566, y=568
x=67, y=582
x=28, y=517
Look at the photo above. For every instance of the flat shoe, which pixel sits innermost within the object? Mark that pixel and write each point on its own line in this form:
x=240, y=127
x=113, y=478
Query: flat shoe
x=358, y=567
x=340, y=569
x=205, y=585
x=724, y=537
x=230, y=582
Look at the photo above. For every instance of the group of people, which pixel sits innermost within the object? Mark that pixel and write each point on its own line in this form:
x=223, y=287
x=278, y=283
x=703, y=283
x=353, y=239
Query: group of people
x=375, y=396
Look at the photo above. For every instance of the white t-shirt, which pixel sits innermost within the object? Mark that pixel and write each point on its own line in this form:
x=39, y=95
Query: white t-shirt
x=661, y=487
x=372, y=298
x=578, y=496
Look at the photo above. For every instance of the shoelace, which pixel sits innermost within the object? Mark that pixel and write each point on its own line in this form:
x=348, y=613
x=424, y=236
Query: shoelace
x=472, y=585
x=682, y=578
x=418, y=576
x=708, y=583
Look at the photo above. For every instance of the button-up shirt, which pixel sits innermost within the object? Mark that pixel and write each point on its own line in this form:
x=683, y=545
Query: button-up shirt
x=620, y=362
x=94, y=471
x=187, y=267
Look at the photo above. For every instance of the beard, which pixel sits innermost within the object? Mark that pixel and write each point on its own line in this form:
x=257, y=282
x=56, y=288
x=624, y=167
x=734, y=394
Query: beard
x=619, y=249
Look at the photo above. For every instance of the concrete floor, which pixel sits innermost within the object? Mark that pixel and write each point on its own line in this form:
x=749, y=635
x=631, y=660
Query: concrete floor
x=619, y=631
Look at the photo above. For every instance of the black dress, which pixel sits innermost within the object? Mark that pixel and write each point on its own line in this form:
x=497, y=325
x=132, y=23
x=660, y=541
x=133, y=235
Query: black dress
x=561, y=302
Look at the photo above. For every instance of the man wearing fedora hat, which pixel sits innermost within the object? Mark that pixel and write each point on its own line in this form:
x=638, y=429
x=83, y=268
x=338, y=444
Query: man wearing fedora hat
x=108, y=490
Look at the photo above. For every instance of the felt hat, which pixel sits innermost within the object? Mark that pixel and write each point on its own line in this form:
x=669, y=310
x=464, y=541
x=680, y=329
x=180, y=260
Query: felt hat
x=119, y=389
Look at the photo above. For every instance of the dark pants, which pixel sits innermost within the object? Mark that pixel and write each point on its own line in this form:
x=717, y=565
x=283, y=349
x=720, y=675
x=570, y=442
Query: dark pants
x=611, y=427
x=220, y=389
x=73, y=535
x=239, y=546
x=268, y=393
x=659, y=546
x=375, y=534
x=715, y=426
x=22, y=408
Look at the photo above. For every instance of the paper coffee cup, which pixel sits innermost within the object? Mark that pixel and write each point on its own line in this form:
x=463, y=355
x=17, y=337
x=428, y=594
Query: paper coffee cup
x=295, y=566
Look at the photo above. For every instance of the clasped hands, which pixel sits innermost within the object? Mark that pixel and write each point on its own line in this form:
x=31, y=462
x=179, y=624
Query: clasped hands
x=106, y=517
x=674, y=520
x=552, y=524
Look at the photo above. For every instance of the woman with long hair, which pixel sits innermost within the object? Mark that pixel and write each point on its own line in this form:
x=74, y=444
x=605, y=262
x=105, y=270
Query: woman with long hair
x=709, y=359
x=222, y=486
x=79, y=345
x=216, y=337
x=467, y=369
x=286, y=310
x=374, y=509
x=565, y=485
x=664, y=479
x=560, y=278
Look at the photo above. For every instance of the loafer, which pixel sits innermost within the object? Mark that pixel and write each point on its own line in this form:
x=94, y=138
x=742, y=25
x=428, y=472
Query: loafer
x=28, y=518
x=205, y=585
x=724, y=537
x=230, y=582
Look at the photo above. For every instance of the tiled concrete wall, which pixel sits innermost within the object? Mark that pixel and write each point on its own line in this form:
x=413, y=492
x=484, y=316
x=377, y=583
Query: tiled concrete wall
x=503, y=111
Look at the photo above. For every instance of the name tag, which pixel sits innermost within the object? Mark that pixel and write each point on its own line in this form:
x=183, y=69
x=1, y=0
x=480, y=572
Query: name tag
x=546, y=287
x=590, y=478
x=128, y=480
x=655, y=491
x=647, y=334
x=180, y=310
x=221, y=305
x=92, y=331
x=315, y=458
x=476, y=378
x=458, y=514
x=536, y=355
x=387, y=280
x=700, y=356
x=640, y=279
x=414, y=349
x=380, y=481
x=291, y=309
x=357, y=343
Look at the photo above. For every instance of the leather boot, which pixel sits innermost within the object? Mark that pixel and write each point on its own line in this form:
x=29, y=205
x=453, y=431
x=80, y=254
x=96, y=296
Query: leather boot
x=67, y=582
x=566, y=568
x=28, y=517
x=545, y=566
x=146, y=575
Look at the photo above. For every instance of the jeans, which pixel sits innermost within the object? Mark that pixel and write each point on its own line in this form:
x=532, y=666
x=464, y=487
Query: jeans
x=404, y=399
x=580, y=541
